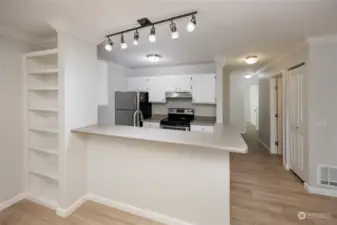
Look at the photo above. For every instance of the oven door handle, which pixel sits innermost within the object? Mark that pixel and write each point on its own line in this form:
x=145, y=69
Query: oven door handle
x=173, y=127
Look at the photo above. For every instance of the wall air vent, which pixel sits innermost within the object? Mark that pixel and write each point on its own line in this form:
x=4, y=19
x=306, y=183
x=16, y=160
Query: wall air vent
x=327, y=176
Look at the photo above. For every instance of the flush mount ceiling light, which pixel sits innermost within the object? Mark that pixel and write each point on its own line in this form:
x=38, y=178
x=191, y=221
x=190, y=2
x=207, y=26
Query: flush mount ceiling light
x=251, y=59
x=191, y=25
x=154, y=58
x=135, y=38
x=152, y=37
x=109, y=45
x=174, y=34
x=123, y=44
x=248, y=76
x=145, y=22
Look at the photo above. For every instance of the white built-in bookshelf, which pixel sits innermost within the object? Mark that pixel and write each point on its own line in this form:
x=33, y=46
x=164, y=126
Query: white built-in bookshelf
x=42, y=126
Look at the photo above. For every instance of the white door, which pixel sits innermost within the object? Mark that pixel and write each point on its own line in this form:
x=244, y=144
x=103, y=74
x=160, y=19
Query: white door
x=203, y=89
x=296, y=122
x=254, y=104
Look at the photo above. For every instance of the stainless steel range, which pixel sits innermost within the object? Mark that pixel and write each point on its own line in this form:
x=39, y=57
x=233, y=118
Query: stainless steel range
x=178, y=119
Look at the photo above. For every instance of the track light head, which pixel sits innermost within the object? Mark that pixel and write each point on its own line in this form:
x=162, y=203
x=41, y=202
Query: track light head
x=191, y=25
x=109, y=45
x=123, y=44
x=136, y=38
x=152, y=37
x=174, y=31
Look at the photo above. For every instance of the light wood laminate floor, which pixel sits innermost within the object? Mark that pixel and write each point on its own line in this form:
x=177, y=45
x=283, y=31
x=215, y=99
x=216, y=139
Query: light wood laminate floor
x=262, y=193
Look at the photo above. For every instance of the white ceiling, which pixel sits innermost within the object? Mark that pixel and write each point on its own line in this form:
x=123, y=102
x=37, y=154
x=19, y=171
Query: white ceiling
x=231, y=28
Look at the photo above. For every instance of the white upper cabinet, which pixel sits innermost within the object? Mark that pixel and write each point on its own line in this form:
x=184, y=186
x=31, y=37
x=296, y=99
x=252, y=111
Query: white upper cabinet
x=178, y=83
x=202, y=86
x=203, y=89
x=137, y=84
x=157, y=89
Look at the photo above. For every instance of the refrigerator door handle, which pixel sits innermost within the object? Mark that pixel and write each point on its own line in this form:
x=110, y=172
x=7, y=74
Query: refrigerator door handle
x=135, y=120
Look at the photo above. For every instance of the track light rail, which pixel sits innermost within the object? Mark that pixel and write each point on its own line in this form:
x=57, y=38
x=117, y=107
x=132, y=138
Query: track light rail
x=154, y=23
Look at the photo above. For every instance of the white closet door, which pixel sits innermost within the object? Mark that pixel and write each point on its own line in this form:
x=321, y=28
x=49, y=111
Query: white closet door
x=296, y=121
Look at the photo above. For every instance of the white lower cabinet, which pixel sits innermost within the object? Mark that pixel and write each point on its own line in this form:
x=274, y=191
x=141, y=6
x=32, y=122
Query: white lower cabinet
x=199, y=128
x=151, y=125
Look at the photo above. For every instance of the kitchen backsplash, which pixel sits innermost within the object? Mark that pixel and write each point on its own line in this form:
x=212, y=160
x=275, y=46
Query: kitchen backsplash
x=200, y=109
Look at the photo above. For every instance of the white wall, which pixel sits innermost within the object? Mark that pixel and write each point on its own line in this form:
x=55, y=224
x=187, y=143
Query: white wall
x=79, y=96
x=103, y=83
x=322, y=107
x=11, y=120
x=225, y=95
x=174, y=70
x=238, y=98
x=264, y=111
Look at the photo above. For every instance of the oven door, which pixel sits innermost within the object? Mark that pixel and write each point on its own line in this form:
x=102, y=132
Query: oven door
x=168, y=127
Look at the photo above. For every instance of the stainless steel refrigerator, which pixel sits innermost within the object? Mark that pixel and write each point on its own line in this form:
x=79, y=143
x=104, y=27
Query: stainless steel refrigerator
x=131, y=108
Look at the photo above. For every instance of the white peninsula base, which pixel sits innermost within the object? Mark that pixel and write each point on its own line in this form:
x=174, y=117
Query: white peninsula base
x=173, y=177
x=169, y=183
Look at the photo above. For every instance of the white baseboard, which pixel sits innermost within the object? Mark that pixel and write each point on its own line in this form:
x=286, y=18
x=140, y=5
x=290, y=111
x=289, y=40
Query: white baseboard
x=40, y=201
x=264, y=145
x=12, y=201
x=67, y=212
x=137, y=211
x=286, y=167
x=320, y=191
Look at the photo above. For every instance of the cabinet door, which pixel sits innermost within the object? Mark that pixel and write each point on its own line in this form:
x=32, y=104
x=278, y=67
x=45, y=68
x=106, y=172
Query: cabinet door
x=137, y=84
x=203, y=89
x=151, y=125
x=131, y=84
x=157, y=89
x=178, y=83
x=197, y=128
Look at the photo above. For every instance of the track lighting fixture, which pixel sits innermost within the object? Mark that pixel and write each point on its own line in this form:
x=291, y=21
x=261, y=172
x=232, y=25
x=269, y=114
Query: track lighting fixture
x=108, y=46
x=145, y=22
x=152, y=37
x=174, y=31
x=136, y=38
x=191, y=25
x=123, y=44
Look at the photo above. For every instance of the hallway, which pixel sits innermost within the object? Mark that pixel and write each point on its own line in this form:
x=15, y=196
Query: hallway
x=264, y=193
